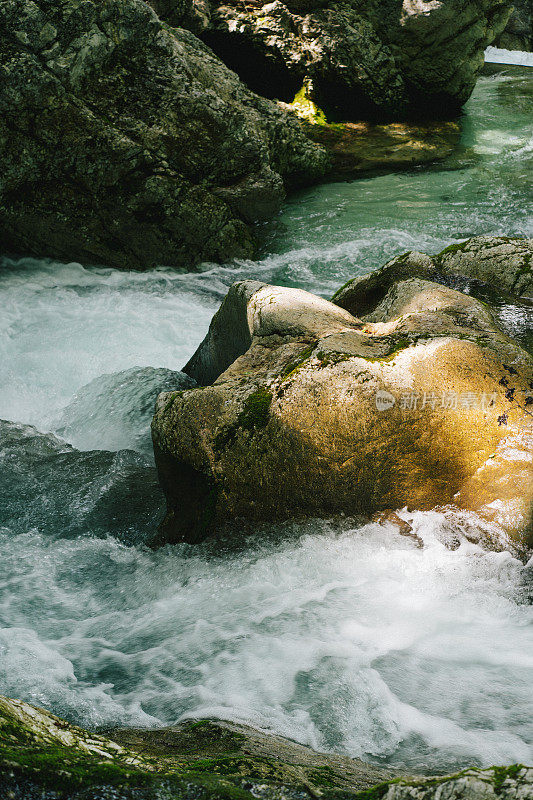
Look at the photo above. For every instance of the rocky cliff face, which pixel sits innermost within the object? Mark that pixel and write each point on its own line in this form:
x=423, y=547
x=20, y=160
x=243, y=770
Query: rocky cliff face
x=356, y=59
x=128, y=143
x=518, y=33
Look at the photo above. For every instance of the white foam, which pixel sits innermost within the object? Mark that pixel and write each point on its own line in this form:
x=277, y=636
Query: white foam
x=345, y=638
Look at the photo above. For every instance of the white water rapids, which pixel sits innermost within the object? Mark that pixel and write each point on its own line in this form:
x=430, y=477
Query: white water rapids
x=340, y=634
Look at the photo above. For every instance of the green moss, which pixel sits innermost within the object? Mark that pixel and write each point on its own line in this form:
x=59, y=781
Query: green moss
x=330, y=358
x=397, y=343
x=172, y=399
x=255, y=413
x=453, y=248
x=64, y=767
x=297, y=362
x=257, y=768
x=502, y=773
x=204, y=725
x=323, y=776
x=307, y=109
x=375, y=793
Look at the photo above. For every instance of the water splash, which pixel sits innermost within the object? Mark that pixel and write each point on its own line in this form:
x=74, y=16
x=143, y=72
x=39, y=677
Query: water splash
x=343, y=635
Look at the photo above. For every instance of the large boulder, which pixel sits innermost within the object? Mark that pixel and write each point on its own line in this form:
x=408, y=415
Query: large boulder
x=42, y=756
x=412, y=396
x=358, y=59
x=126, y=142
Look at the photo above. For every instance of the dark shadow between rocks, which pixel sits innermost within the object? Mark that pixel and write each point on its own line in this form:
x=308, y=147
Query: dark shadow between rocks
x=266, y=75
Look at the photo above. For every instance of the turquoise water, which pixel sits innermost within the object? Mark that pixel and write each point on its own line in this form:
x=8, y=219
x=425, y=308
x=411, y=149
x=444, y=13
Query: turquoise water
x=341, y=635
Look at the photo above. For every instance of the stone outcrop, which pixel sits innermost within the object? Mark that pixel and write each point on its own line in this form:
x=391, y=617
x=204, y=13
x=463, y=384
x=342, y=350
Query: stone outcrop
x=360, y=147
x=501, y=262
x=402, y=392
x=359, y=60
x=43, y=756
x=518, y=33
x=126, y=142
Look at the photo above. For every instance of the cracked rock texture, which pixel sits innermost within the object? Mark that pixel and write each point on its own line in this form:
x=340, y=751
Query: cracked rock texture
x=126, y=142
x=518, y=33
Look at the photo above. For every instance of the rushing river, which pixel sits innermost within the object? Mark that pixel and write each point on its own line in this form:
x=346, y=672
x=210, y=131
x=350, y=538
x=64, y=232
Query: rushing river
x=343, y=635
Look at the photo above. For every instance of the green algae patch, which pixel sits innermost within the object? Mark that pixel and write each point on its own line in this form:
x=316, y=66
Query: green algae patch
x=501, y=774
x=255, y=414
x=256, y=410
x=238, y=767
x=295, y=364
x=26, y=757
x=453, y=248
x=324, y=777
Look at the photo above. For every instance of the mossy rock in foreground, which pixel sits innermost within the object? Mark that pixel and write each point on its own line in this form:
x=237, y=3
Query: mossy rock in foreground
x=44, y=758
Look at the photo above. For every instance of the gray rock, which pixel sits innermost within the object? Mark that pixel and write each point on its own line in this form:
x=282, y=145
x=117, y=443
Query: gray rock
x=252, y=309
x=499, y=261
x=59, y=491
x=126, y=142
x=504, y=264
x=360, y=59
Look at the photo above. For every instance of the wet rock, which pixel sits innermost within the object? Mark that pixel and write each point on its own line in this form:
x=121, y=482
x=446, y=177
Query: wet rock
x=506, y=263
x=359, y=60
x=57, y=490
x=501, y=262
x=398, y=399
x=42, y=756
x=356, y=147
x=126, y=142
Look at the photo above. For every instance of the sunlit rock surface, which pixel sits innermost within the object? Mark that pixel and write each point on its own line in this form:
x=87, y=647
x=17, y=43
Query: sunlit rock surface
x=356, y=147
x=42, y=756
x=399, y=398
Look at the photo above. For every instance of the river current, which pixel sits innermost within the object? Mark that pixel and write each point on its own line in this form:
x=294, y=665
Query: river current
x=339, y=634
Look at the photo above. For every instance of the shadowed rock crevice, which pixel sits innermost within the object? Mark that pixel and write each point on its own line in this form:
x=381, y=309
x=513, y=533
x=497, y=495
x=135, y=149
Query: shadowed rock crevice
x=372, y=61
